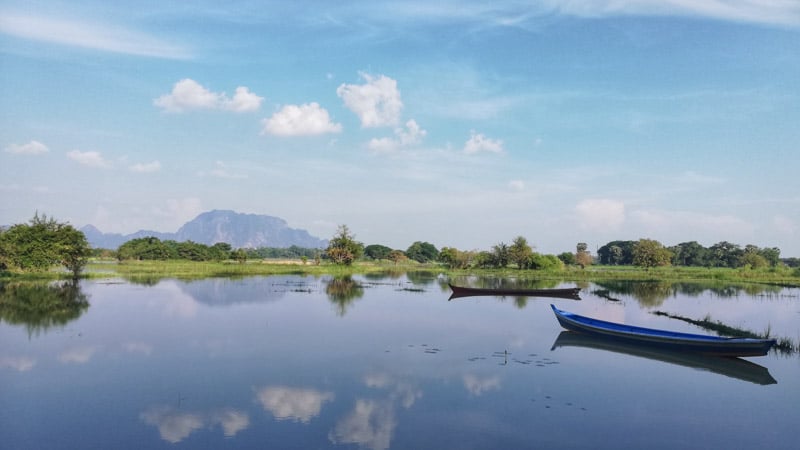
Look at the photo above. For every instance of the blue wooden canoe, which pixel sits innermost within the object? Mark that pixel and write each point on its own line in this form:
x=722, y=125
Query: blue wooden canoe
x=698, y=343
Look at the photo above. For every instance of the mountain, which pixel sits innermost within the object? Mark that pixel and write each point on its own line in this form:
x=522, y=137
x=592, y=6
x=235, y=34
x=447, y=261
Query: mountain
x=237, y=229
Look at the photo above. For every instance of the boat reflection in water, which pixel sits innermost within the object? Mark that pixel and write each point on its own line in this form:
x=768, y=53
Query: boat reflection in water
x=731, y=367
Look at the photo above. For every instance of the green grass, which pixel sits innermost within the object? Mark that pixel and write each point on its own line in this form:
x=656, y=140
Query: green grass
x=181, y=269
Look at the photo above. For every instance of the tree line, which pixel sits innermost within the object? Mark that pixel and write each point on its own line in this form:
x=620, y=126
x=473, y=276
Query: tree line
x=649, y=253
x=45, y=242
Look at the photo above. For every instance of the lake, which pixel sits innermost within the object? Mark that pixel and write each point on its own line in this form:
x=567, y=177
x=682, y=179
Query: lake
x=380, y=362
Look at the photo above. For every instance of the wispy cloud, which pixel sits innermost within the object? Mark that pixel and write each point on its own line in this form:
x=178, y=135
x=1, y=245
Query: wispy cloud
x=522, y=13
x=89, y=159
x=151, y=167
x=412, y=134
x=31, y=148
x=478, y=143
x=95, y=36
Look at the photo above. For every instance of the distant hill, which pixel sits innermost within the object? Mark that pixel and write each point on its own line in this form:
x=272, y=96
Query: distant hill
x=237, y=229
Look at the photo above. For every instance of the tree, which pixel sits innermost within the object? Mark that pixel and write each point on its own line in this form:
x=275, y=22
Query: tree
x=43, y=243
x=582, y=255
x=343, y=248
x=616, y=253
x=520, y=252
x=689, y=254
x=649, y=253
x=500, y=256
x=422, y=252
x=568, y=258
x=396, y=256
x=377, y=252
x=454, y=258
x=724, y=254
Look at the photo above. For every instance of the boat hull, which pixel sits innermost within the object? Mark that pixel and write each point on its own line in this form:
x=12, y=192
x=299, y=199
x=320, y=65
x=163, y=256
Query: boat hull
x=460, y=291
x=708, y=345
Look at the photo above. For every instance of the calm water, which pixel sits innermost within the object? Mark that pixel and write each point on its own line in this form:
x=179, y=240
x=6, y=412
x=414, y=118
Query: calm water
x=383, y=362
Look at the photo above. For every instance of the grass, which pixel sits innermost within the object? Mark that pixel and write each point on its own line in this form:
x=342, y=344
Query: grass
x=181, y=269
x=783, y=345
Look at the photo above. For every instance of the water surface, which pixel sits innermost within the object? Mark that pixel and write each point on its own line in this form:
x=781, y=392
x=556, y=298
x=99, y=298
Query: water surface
x=384, y=362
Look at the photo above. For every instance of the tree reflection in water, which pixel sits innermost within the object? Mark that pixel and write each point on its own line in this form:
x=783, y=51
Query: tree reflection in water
x=40, y=307
x=342, y=291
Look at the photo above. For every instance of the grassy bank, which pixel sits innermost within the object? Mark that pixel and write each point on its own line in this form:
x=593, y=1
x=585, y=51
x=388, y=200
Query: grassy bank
x=181, y=269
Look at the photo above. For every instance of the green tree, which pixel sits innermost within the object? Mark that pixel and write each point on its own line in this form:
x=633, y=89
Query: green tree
x=724, y=254
x=377, y=251
x=147, y=248
x=689, y=254
x=455, y=258
x=616, y=253
x=568, y=258
x=43, y=243
x=500, y=256
x=649, y=253
x=343, y=248
x=520, y=252
x=422, y=252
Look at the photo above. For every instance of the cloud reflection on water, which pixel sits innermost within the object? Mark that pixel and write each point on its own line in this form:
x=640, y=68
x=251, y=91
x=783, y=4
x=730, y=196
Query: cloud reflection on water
x=371, y=424
x=298, y=404
x=175, y=426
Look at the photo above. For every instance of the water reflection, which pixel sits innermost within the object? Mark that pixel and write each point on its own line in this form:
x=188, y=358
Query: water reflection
x=654, y=293
x=371, y=424
x=342, y=291
x=731, y=367
x=176, y=425
x=40, y=307
x=288, y=403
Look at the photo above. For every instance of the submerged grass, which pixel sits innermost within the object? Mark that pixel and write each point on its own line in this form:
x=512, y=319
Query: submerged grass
x=784, y=345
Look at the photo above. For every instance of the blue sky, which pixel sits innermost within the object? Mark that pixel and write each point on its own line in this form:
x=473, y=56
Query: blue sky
x=463, y=124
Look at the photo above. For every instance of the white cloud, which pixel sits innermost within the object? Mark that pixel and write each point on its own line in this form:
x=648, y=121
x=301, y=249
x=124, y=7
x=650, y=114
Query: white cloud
x=601, y=214
x=243, y=101
x=411, y=135
x=31, y=148
x=477, y=143
x=377, y=102
x=660, y=222
x=298, y=404
x=77, y=355
x=302, y=120
x=173, y=426
x=232, y=421
x=516, y=185
x=90, y=159
x=20, y=364
x=109, y=38
x=188, y=94
x=770, y=12
x=222, y=170
x=151, y=167
x=370, y=425
x=138, y=347
x=477, y=386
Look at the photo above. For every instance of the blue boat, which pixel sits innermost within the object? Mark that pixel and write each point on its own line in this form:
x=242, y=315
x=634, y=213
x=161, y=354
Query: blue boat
x=697, y=343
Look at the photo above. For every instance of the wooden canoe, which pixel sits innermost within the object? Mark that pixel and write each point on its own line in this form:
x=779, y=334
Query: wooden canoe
x=698, y=343
x=461, y=291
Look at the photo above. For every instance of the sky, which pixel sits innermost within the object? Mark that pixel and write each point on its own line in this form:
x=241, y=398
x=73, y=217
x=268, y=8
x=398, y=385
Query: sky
x=460, y=123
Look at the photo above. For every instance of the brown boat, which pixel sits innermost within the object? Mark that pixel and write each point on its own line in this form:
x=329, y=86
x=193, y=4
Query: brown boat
x=461, y=291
